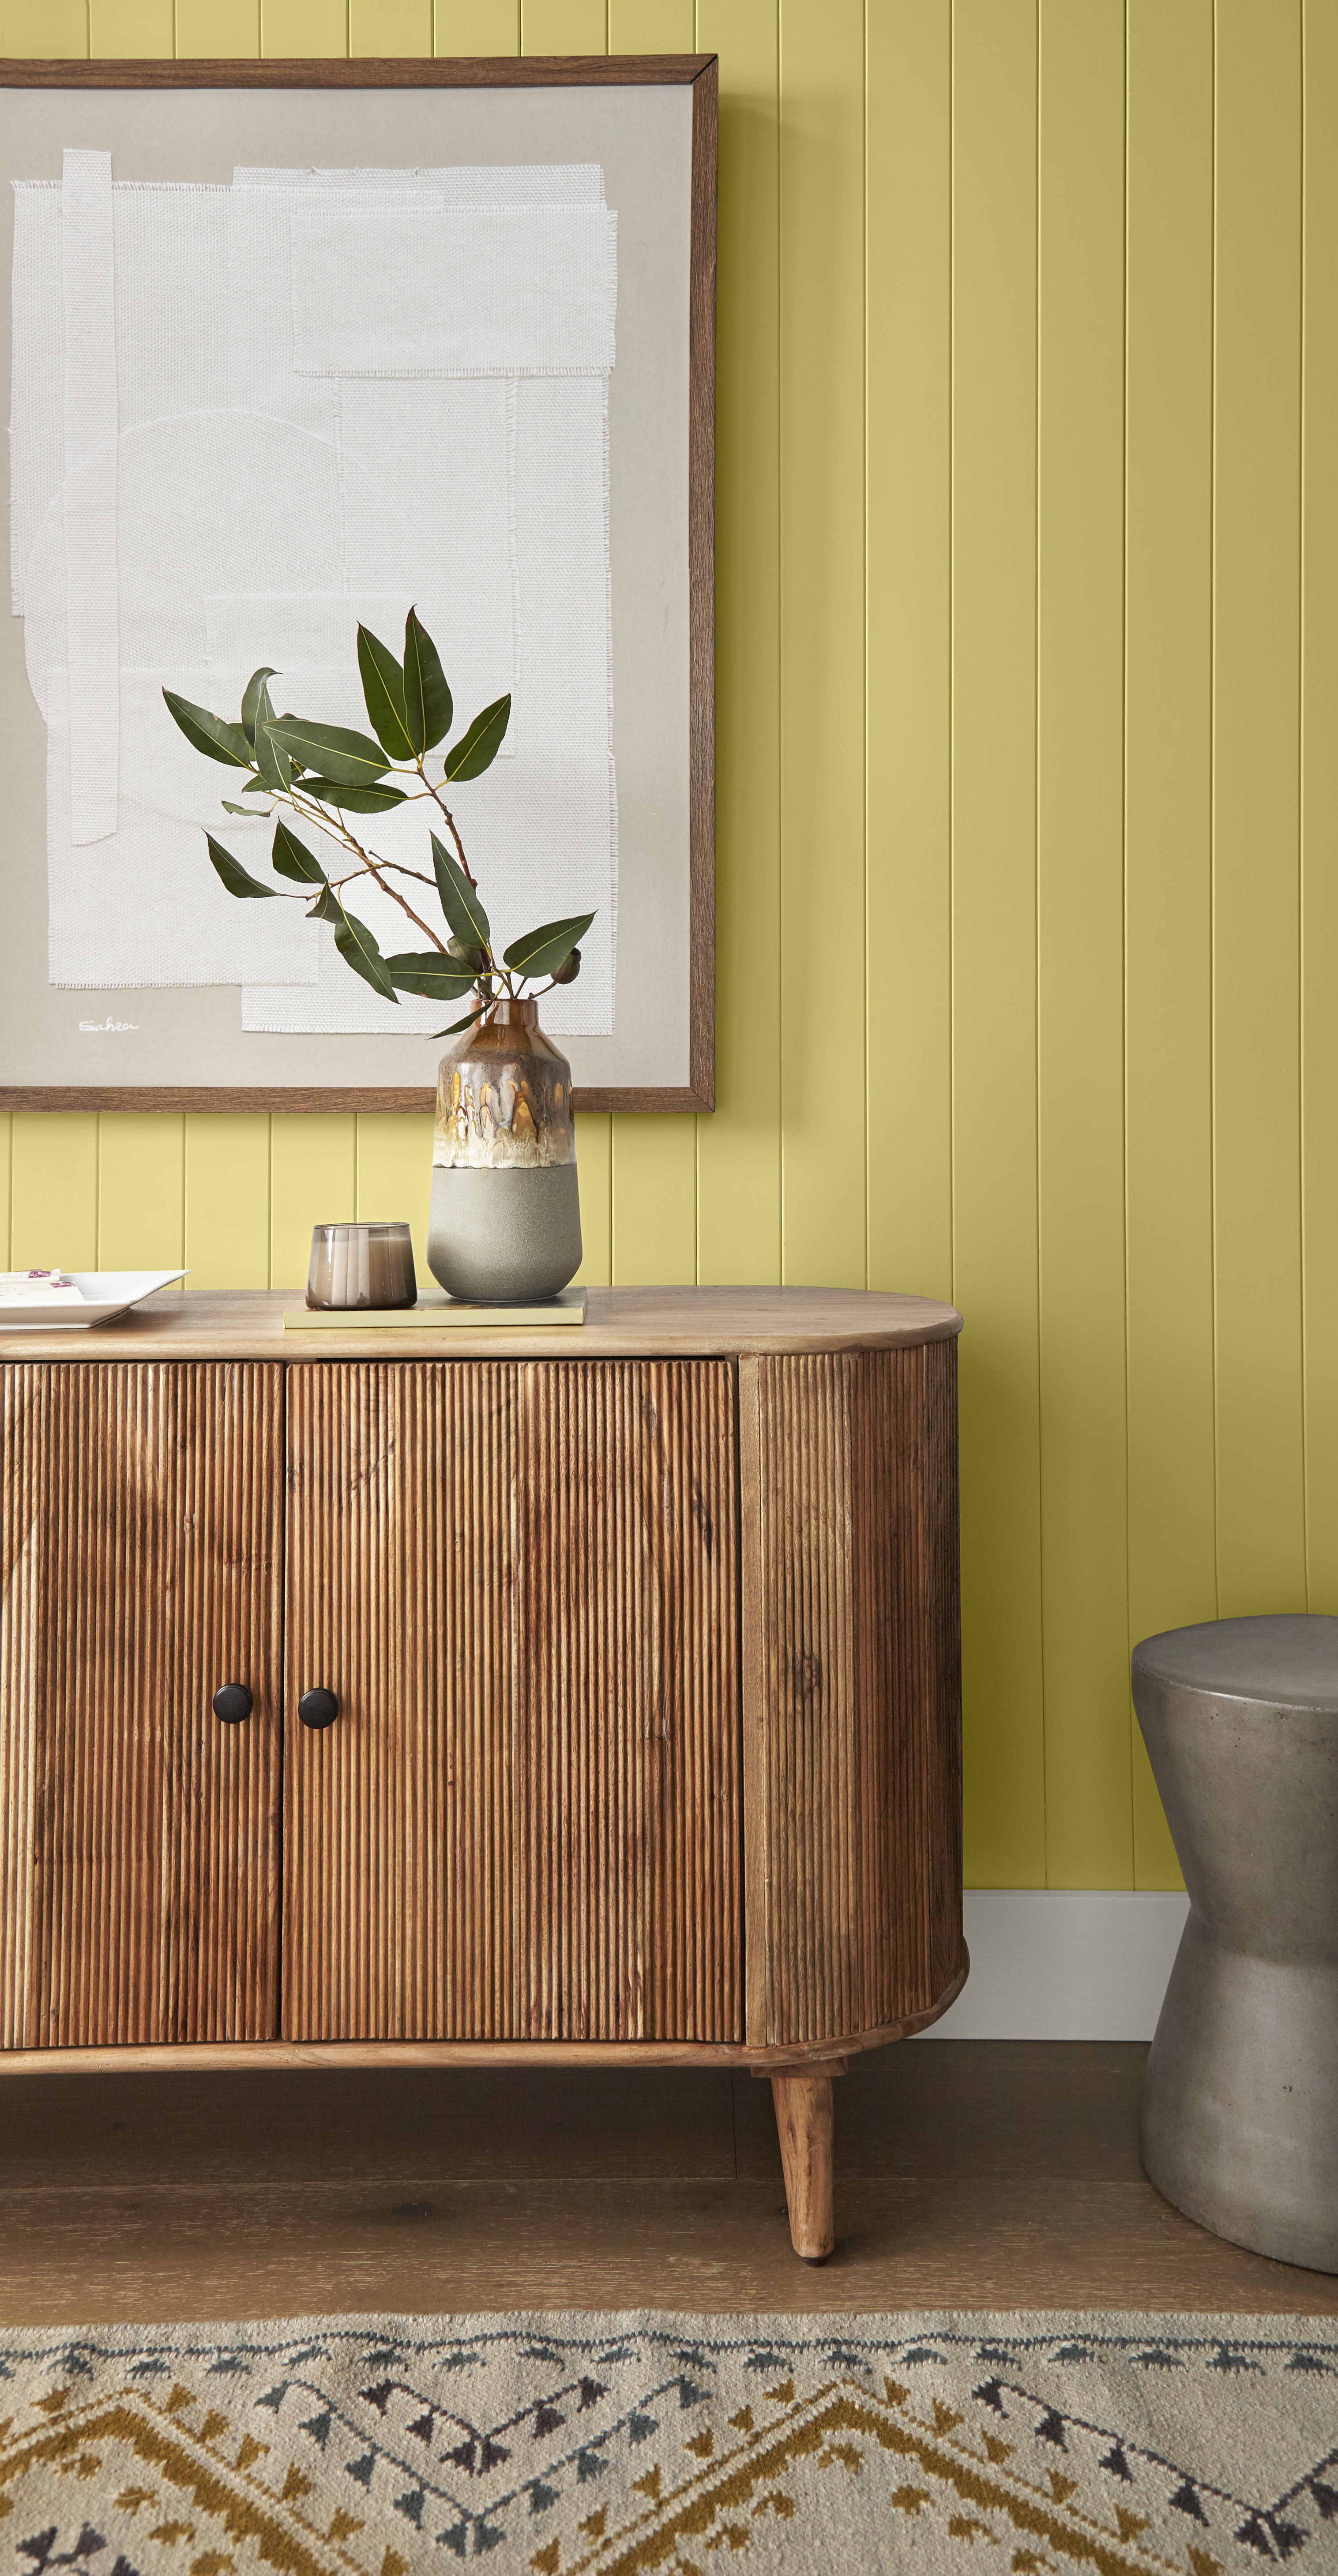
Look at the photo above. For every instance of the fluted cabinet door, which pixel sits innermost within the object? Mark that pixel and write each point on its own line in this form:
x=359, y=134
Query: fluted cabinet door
x=141, y=1539
x=519, y=1582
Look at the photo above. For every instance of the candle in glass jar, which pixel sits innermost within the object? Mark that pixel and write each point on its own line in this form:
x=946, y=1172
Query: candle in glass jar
x=367, y=1265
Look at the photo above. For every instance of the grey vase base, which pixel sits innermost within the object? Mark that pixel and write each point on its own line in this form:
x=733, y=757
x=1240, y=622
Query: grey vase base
x=504, y=1238
x=1239, y=2120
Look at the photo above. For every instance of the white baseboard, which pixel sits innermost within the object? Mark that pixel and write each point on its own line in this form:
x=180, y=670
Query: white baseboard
x=1064, y=1963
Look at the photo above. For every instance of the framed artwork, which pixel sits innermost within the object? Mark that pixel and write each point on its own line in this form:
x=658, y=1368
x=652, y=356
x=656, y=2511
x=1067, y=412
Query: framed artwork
x=297, y=348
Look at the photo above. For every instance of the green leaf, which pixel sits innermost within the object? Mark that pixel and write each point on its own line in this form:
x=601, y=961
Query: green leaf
x=456, y=1025
x=255, y=693
x=427, y=700
x=353, y=800
x=256, y=787
x=234, y=877
x=459, y=900
x=293, y=861
x=250, y=813
x=332, y=750
x=327, y=907
x=542, y=949
x=478, y=749
x=383, y=689
x=275, y=767
x=425, y=971
x=359, y=950
x=209, y=734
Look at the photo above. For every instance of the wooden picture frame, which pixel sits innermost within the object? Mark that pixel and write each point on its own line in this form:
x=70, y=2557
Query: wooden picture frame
x=698, y=72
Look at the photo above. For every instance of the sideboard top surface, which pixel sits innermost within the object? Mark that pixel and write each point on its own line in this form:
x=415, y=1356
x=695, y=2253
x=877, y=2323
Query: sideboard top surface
x=620, y=1323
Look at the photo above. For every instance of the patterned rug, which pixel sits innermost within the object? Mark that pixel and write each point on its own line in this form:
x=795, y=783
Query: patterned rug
x=552, y=2444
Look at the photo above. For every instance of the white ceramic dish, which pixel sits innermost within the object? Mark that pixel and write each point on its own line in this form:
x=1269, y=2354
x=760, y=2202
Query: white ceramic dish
x=104, y=1293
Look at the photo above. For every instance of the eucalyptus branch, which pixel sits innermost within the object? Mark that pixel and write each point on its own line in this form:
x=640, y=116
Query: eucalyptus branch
x=449, y=820
x=372, y=866
x=410, y=710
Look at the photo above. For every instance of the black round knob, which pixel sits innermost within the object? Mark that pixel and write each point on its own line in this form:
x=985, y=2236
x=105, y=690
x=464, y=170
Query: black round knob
x=232, y=1703
x=318, y=1708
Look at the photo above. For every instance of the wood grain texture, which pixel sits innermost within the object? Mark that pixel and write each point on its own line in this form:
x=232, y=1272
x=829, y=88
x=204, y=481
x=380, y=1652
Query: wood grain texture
x=284, y=2056
x=620, y=1323
x=852, y=1708
x=478, y=71
x=970, y=2174
x=138, y=1885
x=804, y=2130
x=520, y=1584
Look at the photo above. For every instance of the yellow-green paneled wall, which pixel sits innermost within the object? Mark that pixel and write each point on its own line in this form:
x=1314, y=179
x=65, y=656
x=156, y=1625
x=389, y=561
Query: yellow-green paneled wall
x=1027, y=617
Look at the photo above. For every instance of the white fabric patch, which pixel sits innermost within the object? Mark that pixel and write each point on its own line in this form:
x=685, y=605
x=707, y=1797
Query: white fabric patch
x=88, y=273
x=165, y=448
x=392, y=290
x=37, y=401
x=539, y=830
x=479, y=183
x=182, y=928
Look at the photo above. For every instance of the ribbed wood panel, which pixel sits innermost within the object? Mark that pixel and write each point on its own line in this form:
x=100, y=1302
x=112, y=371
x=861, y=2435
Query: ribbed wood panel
x=398, y=1838
x=852, y=1708
x=519, y=1580
x=141, y=1526
x=628, y=1748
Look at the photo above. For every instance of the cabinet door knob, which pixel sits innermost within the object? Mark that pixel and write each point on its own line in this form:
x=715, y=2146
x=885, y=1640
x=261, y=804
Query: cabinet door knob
x=232, y=1703
x=318, y=1708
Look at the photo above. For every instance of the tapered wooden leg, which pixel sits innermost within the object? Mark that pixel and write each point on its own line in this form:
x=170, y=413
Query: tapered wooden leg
x=804, y=2120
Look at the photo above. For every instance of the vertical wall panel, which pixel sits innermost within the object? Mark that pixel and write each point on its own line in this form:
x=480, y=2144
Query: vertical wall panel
x=909, y=733
x=313, y=1181
x=297, y=27
x=652, y=27
x=1256, y=816
x=477, y=27
x=738, y=1146
x=392, y=27
x=822, y=640
x=1168, y=807
x=654, y=1201
x=141, y=1190
x=54, y=1189
x=1080, y=961
x=564, y=26
x=594, y=1163
x=6, y=1183
x=57, y=29
x=1319, y=803
x=994, y=929
x=217, y=28
x=227, y=1199
x=131, y=28
x=395, y=1172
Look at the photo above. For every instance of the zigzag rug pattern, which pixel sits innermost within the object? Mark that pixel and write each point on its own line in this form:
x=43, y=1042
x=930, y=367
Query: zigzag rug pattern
x=1010, y=2444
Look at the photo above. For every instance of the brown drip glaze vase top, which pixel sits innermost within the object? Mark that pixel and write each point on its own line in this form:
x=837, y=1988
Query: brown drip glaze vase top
x=504, y=1225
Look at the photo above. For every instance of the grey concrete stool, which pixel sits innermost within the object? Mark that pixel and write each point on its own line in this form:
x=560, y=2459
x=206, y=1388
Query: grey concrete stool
x=1240, y=2099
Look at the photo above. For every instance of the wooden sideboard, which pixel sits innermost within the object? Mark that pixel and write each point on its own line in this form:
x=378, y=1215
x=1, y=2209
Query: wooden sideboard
x=642, y=1648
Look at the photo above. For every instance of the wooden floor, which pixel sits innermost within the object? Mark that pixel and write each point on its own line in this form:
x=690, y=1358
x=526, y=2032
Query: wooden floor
x=969, y=2174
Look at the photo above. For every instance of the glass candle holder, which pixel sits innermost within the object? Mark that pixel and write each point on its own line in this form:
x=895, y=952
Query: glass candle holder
x=367, y=1265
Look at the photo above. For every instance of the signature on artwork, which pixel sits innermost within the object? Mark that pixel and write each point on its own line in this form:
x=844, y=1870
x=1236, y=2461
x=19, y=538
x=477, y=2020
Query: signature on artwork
x=99, y=1028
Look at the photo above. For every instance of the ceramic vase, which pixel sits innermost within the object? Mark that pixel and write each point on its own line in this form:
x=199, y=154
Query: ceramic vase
x=505, y=1221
